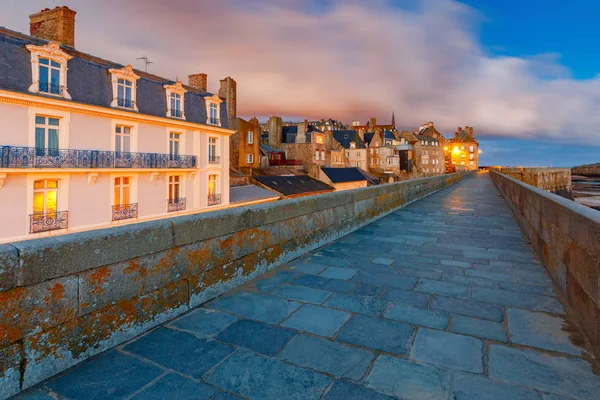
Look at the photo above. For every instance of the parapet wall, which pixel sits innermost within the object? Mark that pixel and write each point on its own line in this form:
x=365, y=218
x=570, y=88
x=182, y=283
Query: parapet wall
x=555, y=180
x=66, y=298
x=566, y=238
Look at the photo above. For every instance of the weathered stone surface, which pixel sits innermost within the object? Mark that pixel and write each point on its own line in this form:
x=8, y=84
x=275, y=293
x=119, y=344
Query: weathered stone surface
x=318, y=320
x=357, y=304
x=476, y=387
x=47, y=258
x=10, y=271
x=111, y=375
x=176, y=387
x=257, y=336
x=399, y=282
x=448, y=350
x=256, y=306
x=323, y=355
x=443, y=288
x=514, y=299
x=10, y=375
x=407, y=379
x=532, y=369
x=468, y=307
x=407, y=297
x=377, y=334
x=301, y=293
x=269, y=284
x=540, y=330
x=179, y=351
x=204, y=322
x=479, y=327
x=417, y=316
x=24, y=310
x=344, y=390
x=338, y=273
x=259, y=377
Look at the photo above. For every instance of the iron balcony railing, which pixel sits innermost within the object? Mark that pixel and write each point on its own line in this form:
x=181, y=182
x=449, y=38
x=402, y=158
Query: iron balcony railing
x=52, y=221
x=31, y=157
x=51, y=88
x=176, y=204
x=127, y=103
x=214, y=160
x=214, y=199
x=124, y=211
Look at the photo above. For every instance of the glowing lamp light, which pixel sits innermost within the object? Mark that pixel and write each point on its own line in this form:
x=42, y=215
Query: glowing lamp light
x=456, y=150
x=480, y=151
x=446, y=148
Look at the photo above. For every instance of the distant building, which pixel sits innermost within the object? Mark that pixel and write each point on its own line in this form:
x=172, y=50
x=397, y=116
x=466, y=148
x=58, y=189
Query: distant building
x=251, y=194
x=91, y=143
x=244, y=146
x=343, y=178
x=354, y=148
x=384, y=161
x=372, y=126
x=428, y=151
x=293, y=186
x=463, y=149
x=325, y=125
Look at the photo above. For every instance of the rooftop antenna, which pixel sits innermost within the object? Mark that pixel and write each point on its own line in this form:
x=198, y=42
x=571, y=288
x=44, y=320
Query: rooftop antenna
x=146, y=61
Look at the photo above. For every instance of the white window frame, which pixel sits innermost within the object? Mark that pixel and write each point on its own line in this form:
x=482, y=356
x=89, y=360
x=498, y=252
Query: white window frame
x=181, y=184
x=126, y=74
x=210, y=145
x=216, y=101
x=133, y=188
x=53, y=52
x=133, y=132
x=250, y=137
x=175, y=89
x=249, y=158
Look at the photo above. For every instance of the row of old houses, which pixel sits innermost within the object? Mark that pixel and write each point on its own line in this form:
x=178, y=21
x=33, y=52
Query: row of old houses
x=90, y=143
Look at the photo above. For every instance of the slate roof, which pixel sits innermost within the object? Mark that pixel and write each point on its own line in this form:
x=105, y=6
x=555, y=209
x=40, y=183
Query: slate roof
x=340, y=175
x=243, y=194
x=290, y=132
x=344, y=137
x=90, y=82
x=368, y=137
x=293, y=185
x=427, y=138
x=389, y=135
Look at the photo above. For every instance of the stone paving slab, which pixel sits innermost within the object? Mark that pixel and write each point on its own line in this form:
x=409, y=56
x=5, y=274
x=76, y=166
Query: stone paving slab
x=442, y=299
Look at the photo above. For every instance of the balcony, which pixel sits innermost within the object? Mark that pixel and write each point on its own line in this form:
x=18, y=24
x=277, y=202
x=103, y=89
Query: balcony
x=124, y=211
x=176, y=204
x=48, y=222
x=214, y=160
x=31, y=157
x=125, y=103
x=51, y=88
x=214, y=199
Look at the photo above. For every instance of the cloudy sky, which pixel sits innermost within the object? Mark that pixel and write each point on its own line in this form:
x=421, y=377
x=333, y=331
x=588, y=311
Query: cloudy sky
x=524, y=75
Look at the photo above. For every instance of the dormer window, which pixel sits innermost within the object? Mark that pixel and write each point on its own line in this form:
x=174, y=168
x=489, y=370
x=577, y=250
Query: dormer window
x=124, y=83
x=213, y=110
x=49, y=70
x=175, y=100
x=352, y=145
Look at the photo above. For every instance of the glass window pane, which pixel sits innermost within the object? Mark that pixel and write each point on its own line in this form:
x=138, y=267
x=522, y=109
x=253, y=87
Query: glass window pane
x=120, y=92
x=52, y=184
x=38, y=203
x=52, y=201
x=43, y=74
x=44, y=61
x=126, y=199
x=38, y=184
x=55, y=64
x=125, y=181
x=40, y=138
x=55, y=77
x=128, y=93
x=126, y=130
x=117, y=181
x=117, y=197
x=125, y=144
x=40, y=120
x=118, y=144
x=53, y=121
x=53, y=139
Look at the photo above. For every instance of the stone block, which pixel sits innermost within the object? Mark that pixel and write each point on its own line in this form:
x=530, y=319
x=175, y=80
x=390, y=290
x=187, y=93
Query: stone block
x=357, y=304
x=377, y=334
x=57, y=349
x=570, y=377
x=344, y=390
x=113, y=375
x=407, y=379
x=257, y=336
x=10, y=370
x=369, y=290
x=180, y=351
x=395, y=281
x=545, y=290
x=10, y=271
x=175, y=386
x=257, y=377
x=36, y=308
x=338, y=273
x=417, y=316
x=203, y=322
x=583, y=266
x=305, y=224
x=407, y=297
x=47, y=258
x=476, y=387
x=338, y=286
x=448, y=350
x=256, y=306
x=272, y=283
x=311, y=281
x=492, y=275
x=443, y=288
x=311, y=268
x=540, y=330
x=318, y=320
x=479, y=327
x=326, y=356
x=469, y=280
x=304, y=294
x=527, y=301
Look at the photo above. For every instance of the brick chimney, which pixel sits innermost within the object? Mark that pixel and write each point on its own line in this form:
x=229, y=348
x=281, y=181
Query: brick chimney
x=198, y=81
x=228, y=91
x=274, y=127
x=56, y=25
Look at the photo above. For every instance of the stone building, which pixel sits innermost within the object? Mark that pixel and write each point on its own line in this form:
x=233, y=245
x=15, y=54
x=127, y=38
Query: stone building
x=371, y=126
x=328, y=124
x=463, y=149
x=244, y=146
x=354, y=148
x=383, y=160
x=91, y=143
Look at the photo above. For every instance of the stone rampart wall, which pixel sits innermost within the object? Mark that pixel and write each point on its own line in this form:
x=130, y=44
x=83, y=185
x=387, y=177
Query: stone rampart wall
x=551, y=179
x=566, y=238
x=66, y=298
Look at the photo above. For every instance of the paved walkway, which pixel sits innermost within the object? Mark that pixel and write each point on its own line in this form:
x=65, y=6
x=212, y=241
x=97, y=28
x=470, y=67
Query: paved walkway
x=440, y=300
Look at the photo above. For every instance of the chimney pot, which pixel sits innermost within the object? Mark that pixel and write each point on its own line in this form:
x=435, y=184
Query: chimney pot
x=56, y=25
